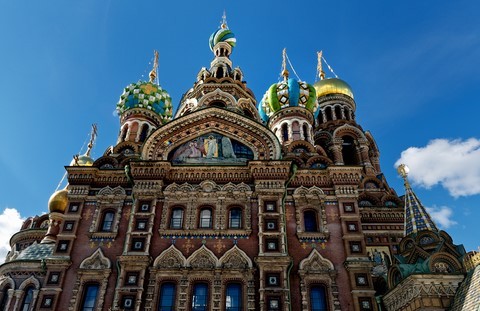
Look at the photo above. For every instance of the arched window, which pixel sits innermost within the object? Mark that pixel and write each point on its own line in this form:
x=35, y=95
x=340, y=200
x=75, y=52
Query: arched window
x=296, y=130
x=285, y=132
x=318, y=300
x=89, y=299
x=167, y=297
x=218, y=104
x=328, y=113
x=233, y=297
x=143, y=133
x=27, y=299
x=349, y=151
x=205, y=218
x=200, y=297
x=310, y=221
x=3, y=302
x=338, y=112
x=235, y=218
x=176, y=220
x=124, y=133
x=107, y=221
x=305, y=132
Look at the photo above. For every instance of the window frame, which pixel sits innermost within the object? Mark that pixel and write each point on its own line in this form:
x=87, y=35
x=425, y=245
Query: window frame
x=172, y=224
x=238, y=218
x=313, y=217
x=322, y=288
x=172, y=300
x=239, y=296
x=205, y=301
x=104, y=221
x=203, y=219
x=84, y=301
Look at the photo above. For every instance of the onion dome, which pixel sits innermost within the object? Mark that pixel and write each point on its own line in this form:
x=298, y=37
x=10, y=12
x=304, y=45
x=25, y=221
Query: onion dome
x=58, y=202
x=147, y=95
x=287, y=93
x=332, y=86
x=223, y=34
x=82, y=160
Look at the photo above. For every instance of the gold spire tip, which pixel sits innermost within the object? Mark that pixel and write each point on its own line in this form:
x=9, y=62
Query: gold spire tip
x=153, y=73
x=320, y=72
x=93, y=135
x=284, y=64
x=223, y=24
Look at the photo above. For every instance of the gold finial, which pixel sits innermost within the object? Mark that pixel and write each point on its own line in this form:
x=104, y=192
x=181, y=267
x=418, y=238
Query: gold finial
x=93, y=135
x=75, y=161
x=320, y=72
x=284, y=65
x=224, y=25
x=153, y=73
x=403, y=171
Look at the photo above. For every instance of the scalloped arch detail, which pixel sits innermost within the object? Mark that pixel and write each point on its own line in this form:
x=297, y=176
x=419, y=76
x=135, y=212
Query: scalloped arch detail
x=203, y=258
x=172, y=257
x=348, y=129
x=316, y=263
x=235, y=258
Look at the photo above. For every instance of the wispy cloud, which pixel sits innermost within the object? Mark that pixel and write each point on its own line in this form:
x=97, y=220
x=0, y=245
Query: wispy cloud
x=454, y=164
x=10, y=222
x=442, y=216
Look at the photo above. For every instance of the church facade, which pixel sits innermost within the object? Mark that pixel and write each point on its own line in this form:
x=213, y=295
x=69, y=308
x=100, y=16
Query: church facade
x=230, y=204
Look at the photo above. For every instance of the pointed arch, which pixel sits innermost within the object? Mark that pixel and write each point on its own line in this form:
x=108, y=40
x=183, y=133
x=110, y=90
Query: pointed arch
x=316, y=263
x=172, y=257
x=235, y=258
x=96, y=261
x=203, y=258
x=32, y=280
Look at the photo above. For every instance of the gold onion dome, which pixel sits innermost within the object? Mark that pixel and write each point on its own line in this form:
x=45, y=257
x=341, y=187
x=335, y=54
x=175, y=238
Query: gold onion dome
x=332, y=86
x=82, y=160
x=58, y=202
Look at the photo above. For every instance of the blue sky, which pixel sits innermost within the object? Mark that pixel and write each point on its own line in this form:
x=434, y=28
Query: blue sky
x=414, y=67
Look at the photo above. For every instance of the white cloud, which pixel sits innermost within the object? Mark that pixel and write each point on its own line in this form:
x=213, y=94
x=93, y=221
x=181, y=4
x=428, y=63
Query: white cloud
x=10, y=223
x=442, y=216
x=454, y=164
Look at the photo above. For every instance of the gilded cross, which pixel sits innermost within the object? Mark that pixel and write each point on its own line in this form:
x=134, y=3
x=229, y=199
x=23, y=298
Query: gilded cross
x=332, y=215
x=88, y=213
x=187, y=246
x=126, y=215
x=304, y=245
x=288, y=215
x=219, y=246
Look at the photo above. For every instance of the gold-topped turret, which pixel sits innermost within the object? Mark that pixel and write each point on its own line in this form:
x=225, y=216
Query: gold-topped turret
x=153, y=72
x=85, y=159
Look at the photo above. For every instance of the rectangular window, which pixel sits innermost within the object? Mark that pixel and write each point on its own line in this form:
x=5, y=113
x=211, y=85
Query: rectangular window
x=348, y=207
x=270, y=224
x=131, y=278
x=53, y=278
x=200, y=297
x=273, y=304
x=318, y=300
x=68, y=226
x=144, y=207
x=89, y=299
x=141, y=224
x=352, y=226
x=233, y=297
x=271, y=245
x=361, y=279
x=167, y=297
x=273, y=279
x=176, y=221
x=62, y=246
x=128, y=302
x=355, y=247
x=73, y=207
x=270, y=206
x=235, y=218
x=47, y=302
x=138, y=244
x=365, y=304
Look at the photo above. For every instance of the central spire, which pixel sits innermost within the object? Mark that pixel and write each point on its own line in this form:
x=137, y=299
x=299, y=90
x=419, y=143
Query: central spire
x=416, y=216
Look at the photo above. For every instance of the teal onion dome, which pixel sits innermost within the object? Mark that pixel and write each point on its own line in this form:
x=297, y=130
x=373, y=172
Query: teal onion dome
x=146, y=95
x=223, y=34
x=287, y=93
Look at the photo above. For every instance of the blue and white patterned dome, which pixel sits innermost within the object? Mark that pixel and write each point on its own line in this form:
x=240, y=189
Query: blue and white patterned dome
x=146, y=95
